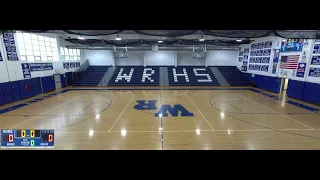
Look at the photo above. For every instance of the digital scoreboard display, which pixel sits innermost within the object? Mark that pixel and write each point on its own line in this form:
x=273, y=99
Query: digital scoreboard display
x=27, y=138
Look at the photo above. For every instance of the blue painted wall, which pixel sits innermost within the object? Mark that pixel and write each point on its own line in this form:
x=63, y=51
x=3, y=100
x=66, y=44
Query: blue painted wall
x=26, y=88
x=266, y=82
x=304, y=91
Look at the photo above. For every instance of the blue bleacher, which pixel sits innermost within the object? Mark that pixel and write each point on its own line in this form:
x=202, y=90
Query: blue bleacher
x=91, y=76
x=193, y=79
x=233, y=76
x=136, y=79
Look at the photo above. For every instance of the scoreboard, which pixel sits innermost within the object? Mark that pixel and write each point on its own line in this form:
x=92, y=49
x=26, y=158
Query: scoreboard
x=27, y=138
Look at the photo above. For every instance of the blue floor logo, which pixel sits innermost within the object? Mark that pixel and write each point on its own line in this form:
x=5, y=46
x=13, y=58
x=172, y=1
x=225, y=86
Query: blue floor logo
x=165, y=108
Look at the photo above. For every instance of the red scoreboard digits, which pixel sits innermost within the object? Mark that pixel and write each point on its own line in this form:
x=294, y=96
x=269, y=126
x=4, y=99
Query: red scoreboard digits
x=10, y=137
x=50, y=138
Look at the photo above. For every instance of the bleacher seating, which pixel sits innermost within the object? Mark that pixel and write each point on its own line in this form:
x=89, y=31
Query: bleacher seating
x=150, y=76
x=91, y=76
x=135, y=76
x=195, y=76
x=233, y=76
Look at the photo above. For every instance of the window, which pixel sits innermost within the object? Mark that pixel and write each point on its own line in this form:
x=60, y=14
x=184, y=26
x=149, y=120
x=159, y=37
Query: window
x=70, y=54
x=34, y=47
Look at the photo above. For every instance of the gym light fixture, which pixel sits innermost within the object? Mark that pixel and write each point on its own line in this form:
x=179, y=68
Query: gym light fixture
x=117, y=38
x=238, y=40
x=201, y=39
x=81, y=38
x=160, y=41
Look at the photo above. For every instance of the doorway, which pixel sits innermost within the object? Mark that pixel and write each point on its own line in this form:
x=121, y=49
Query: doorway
x=57, y=80
x=284, y=85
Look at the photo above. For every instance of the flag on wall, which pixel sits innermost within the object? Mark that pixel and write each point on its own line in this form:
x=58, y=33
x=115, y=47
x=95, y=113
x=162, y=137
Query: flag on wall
x=289, y=62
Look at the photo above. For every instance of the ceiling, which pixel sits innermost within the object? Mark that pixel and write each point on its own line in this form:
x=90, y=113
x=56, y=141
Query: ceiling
x=172, y=38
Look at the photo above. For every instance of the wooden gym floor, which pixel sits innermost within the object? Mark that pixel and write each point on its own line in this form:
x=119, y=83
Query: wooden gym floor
x=234, y=119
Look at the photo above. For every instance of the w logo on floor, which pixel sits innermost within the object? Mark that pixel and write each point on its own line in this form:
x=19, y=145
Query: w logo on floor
x=149, y=105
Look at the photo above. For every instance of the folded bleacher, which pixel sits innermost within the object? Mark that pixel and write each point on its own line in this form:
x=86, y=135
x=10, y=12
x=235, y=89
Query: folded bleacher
x=191, y=76
x=135, y=76
x=91, y=76
x=233, y=75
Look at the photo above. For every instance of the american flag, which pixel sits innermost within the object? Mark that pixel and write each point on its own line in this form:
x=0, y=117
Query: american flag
x=289, y=62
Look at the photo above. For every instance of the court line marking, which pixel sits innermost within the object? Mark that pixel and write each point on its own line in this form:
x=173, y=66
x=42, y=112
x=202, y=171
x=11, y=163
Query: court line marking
x=121, y=113
x=276, y=112
x=200, y=112
x=244, y=130
x=44, y=112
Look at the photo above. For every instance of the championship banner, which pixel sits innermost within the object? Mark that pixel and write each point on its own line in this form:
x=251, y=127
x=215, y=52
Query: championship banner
x=274, y=68
x=244, y=68
x=26, y=70
x=301, y=69
x=10, y=45
x=315, y=60
x=40, y=66
x=66, y=65
x=314, y=72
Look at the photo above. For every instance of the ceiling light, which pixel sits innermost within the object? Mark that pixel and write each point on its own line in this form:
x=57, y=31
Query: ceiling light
x=239, y=40
x=283, y=40
x=160, y=41
x=117, y=38
x=81, y=38
x=201, y=39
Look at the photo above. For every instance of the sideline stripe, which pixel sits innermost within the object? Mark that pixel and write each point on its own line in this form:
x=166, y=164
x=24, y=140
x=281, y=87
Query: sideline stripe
x=190, y=89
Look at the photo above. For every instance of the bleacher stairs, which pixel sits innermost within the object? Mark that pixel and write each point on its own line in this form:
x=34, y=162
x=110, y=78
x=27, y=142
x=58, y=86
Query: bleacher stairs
x=91, y=76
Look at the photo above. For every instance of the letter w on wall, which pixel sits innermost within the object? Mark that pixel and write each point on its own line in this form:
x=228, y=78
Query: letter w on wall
x=124, y=76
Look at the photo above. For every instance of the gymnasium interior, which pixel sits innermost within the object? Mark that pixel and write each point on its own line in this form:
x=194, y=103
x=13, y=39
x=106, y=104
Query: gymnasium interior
x=160, y=89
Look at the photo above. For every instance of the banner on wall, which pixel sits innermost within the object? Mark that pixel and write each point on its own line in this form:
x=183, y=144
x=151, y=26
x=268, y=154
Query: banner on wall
x=274, y=68
x=66, y=65
x=268, y=44
x=292, y=45
x=316, y=49
x=26, y=70
x=10, y=45
x=246, y=51
x=301, y=69
x=314, y=72
x=264, y=68
x=276, y=55
x=315, y=60
x=244, y=68
x=72, y=65
x=41, y=66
